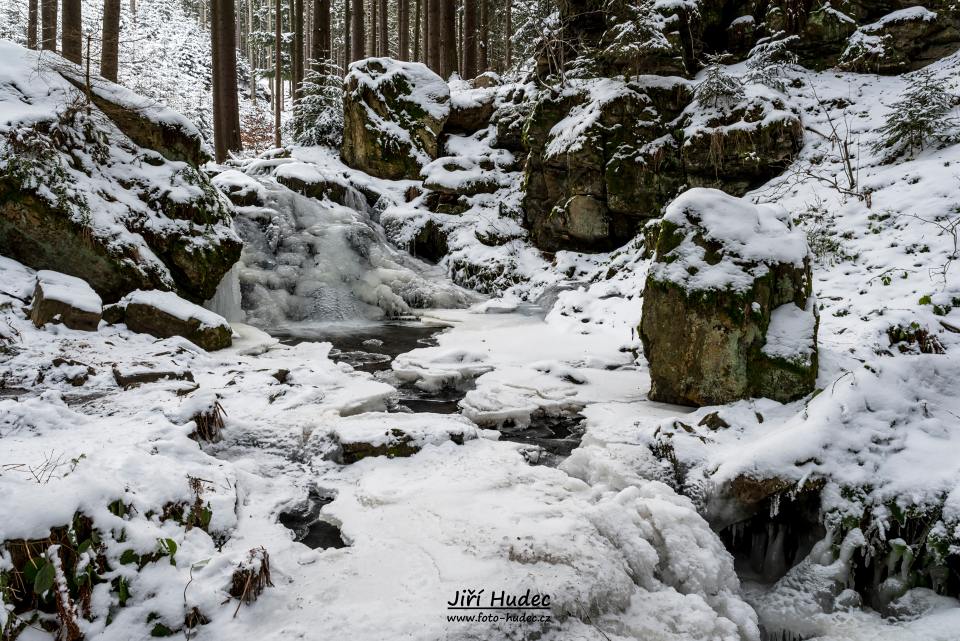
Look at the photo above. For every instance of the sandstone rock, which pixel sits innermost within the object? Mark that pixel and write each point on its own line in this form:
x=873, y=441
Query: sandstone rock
x=727, y=309
x=901, y=41
x=136, y=376
x=164, y=314
x=607, y=142
x=82, y=197
x=393, y=115
x=70, y=299
x=470, y=111
x=740, y=148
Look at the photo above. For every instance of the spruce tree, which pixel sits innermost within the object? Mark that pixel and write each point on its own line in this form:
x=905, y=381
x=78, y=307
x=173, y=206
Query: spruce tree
x=718, y=88
x=921, y=115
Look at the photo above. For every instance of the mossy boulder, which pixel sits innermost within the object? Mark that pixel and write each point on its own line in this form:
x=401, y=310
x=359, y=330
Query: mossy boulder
x=81, y=196
x=393, y=115
x=598, y=165
x=727, y=310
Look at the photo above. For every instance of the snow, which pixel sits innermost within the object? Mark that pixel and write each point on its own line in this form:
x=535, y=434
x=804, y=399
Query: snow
x=171, y=304
x=615, y=564
x=792, y=332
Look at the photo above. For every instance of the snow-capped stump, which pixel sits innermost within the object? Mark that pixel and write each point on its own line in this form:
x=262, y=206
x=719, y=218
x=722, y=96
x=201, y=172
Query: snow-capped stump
x=358, y=437
x=69, y=299
x=393, y=114
x=251, y=577
x=164, y=314
x=81, y=195
x=727, y=309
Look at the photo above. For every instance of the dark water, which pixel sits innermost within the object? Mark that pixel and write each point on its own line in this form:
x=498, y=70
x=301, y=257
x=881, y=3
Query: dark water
x=368, y=347
x=308, y=528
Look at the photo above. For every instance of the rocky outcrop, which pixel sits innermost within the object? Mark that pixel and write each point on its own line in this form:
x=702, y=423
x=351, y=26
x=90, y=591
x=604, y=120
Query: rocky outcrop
x=79, y=195
x=164, y=314
x=605, y=155
x=739, y=148
x=727, y=309
x=901, y=41
x=393, y=115
x=69, y=300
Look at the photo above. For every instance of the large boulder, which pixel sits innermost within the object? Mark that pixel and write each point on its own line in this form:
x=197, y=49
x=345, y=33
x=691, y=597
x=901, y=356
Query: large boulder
x=79, y=194
x=393, y=114
x=164, y=314
x=728, y=311
x=67, y=299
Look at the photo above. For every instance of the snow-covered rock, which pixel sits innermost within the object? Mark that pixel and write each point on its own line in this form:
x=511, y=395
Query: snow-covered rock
x=81, y=195
x=67, y=299
x=164, y=314
x=727, y=307
x=393, y=114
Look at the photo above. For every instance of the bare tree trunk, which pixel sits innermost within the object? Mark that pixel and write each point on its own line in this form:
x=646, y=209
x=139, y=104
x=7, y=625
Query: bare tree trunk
x=469, y=39
x=277, y=74
x=48, y=10
x=251, y=53
x=383, y=29
x=226, y=110
x=434, y=12
x=403, y=29
x=71, y=31
x=357, y=38
x=347, y=35
x=296, y=77
x=321, y=30
x=483, y=45
x=110, y=47
x=32, y=21
x=372, y=29
x=418, y=32
x=448, y=38
x=509, y=35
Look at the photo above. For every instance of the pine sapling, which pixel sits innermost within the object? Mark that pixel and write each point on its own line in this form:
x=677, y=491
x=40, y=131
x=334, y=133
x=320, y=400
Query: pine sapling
x=718, y=88
x=920, y=116
x=769, y=61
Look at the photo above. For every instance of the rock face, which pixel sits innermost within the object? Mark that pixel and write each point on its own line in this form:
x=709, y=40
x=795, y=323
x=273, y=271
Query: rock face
x=80, y=195
x=607, y=155
x=66, y=297
x=727, y=309
x=901, y=41
x=393, y=114
x=164, y=314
